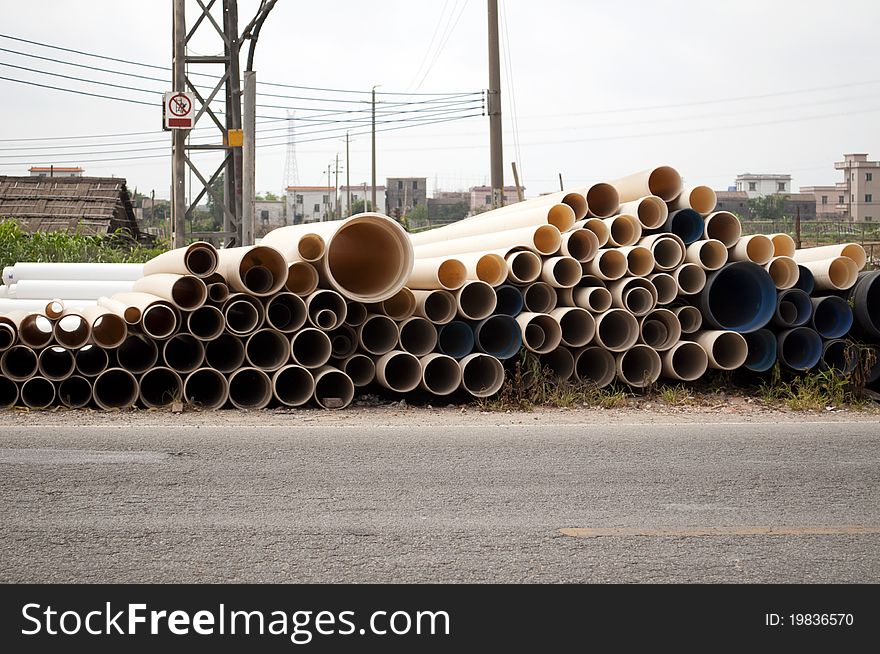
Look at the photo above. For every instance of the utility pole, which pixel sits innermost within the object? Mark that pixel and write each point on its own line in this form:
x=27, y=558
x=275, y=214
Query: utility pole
x=336, y=209
x=347, y=177
x=494, y=109
x=249, y=160
x=365, y=199
x=561, y=187
x=327, y=210
x=374, y=149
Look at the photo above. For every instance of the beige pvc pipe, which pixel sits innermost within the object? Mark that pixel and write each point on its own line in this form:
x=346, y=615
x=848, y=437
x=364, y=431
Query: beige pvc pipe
x=360, y=368
x=75, y=392
x=481, y=375
x=560, y=361
x=685, y=361
x=543, y=239
x=650, y=210
x=205, y=323
x=785, y=272
x=183, y=353
x=7, y=336
x=333, y=388
x=54, y=309
x=602, y=200
x=690, y=318
x=539, y=298
x=19, y=363
x=108, y=329
x=356, y=313
x=131, y=314
x=418, y=336
x=607, y=265
x=595, y=365
x=561, y=272
x=668, y=250
x=217, y=292
x=635, y=294
x=757, y=248
x=594, y=298
x=206, y=388
x=441, y=374
x=707, y=254
x=783, y=245
x=310, y=347
x=293, y=385
x=541, y=332
x=326, y=309
x=489, y=267
x=257, y=269
x=524, y=267
x=852, y=251
x=515, y=218
x=438, y=306
x=159, y=387
x=302, y=278
x=598, y=227
x=400, y=306
x=639, y=366
x=662, y=181
x=623, y=229
x=37, y=393
x=286, y=312
x=301, y=242
x=343, y=341
x=836, y=274
x=199, y=259
x=690, y=278
x=578, y=325
x=701, y=199
x=398, y=371
x=185, y=292
x=243, y=313
x=660, y=329
x=250, y=388
x=639, y=260
x=726, y=350
x=267, y=349
x=72, y=331
x=9, y=393
x=447, y=273
x=723, y=226
x=667, y=287
x=378, y=334
x=475, y=300
x=616, y=330
x=115, y=388
x=56, y=363
x=34, y=329
x=581, y=243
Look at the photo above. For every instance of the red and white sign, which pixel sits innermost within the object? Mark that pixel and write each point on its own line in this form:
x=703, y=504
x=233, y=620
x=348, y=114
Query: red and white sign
x=178, y=109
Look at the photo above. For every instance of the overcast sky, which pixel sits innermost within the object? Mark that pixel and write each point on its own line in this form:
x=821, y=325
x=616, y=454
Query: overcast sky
x=600, y=89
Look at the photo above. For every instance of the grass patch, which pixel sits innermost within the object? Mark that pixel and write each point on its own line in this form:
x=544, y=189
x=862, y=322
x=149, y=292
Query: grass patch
x=817, y=391
x=677, y=395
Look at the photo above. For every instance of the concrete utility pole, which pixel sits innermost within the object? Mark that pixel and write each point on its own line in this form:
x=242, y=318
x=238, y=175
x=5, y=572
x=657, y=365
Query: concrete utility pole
x=249, y=160
x=336, y=209
x=494, y=109
x=519, y=193
x=374, y=149
x=327, y=211
x=347, y=178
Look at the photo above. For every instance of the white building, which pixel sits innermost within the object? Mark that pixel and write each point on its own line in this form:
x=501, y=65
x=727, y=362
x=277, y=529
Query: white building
x=757, y=186
x=309, y=204
x=55, y=171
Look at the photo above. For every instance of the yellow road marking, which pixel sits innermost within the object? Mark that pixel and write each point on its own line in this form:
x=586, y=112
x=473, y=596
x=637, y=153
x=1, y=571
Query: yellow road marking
x=802, y=530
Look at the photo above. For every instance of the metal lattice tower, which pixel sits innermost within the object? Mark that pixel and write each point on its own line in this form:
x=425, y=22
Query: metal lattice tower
x=291, y=172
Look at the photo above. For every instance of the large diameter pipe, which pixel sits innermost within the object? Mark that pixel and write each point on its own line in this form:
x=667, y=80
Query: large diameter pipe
x=398, y=371
x=708, y=255
x=445, y=272
x=9, y=393
x=684, y=361
x=186, y=292
x=539, y=297
x=608, y=264
x=302, y=278
x=56, y=363
x=19, y=363
x=805, y=281
x=578, y=325
x=832, y=316
x=475, y=300
x=668, y=250
x=793, y=309
x=243, y=313
x=75, y=392
x=515, y=218
x=701, y=199
x=616, y=330
x=267, y=349
x=441, y=374
x=108, y=329
x=689, y=317
x=762, y=350
x=92, y=360
x=603, y=200
x=481, y=375
x=560, y=362
x=541, y=332
x=741, y=297
x=852, y=251
x=311, y=348
x=206, y=323
x=360, y=368
x=206, y=388
x=799, y=348
x=837, y=274
x=8, y=336
x=225, y=353
x=333, y=388
x=399, y=306
x=34, y=329
x=300, y=242
x=37, y=393
x=783, y=271
x=137, y=354
x=662, y=181
x=455, y=339
x=542, y=239
x=418, y=336
x=343, y=342
x=115, y=388
x=250, y=388
x=378, y=334
x=561, y=272
x=865, y=298
x=438, y=305
x=690, y=279
x=595, y=365
x=258, y=269
x=72, y=331
x=509, y=300
x=623, y=229
x=114, y=272
x=639, y=260
x=183, y=353
x=286, y=312
x=757, y=248
x=660, y=329
x=581, y=244
x=722, y=226
x=49, y=289
x=727, y=350
x=160, y=387
x=326, y=309
x=650, y=210
x=687, y=224
x=523, y=267
x=666, y=285
x=293, y=385
x=783, y=245
x=635, y=294
x=498, y=336
x=199, y=259
x=839, y=355
x=639, y=366
x=356, y=313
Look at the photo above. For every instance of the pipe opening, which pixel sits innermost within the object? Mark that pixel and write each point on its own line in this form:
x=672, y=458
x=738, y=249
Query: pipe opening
x=54, y=309
x=159, y=321
x=456, y=339
x=19, y=363
x=206, y=323
x=688, y=361
x=843, y=273
x=762, y=350
x=541, y=332
x=201, y=261
x=783, y=271
x=839, y=355
x=702, y=199
x=616, y=330
x=327, y=309
x=439, y=307
x=137, y=354
x=665, y=183
x=293, y=385
x=661, y=329
x=668, y=253
x=241, y=317
x=481, y=375
x=218, y=292
x=667, y=288
x=582, y=244
x=268, y=260
x=599, y=228
x=206, y=388
x=7, y=336
x=249, y=388
x=8, y=393
x=115, y=388
x=566, y=271
x=525, y=267
x=441, y=375
x=603, y=200
x=723, y=226
x=72, y=331
x=183, y=353
x=534, y=337
x=355, y=313
x=561, y=216
x=638, y=300
x=418, y=336
x=578, y=326
x=56, y=363
x=687, y=224
x=109, y=330
x=35, y=330
x=399, y=371
x=740, y=297
x=378, y=335
x=75, y=392
x=832, y=316
x=759, y=249
x=343, y=342
x=639, y=261
x=189, y=292
x=800, y=348
x=37, y=393
x=477, y=300
x=499, y=336
x=267, y=349
x=547, y=239
x=690, y=319
x=333, y=390
x=578, y=204
x=92, y=360
x=691, y=279
x=366, y=257
x=259, y=280
x=609, y=264
x=401, y=305
x=652, y=212
x=624, y=230
x=452, y=274
x=311, y=348
x=360, y=368
x=225, y=353
x=492, y=269
x=302, y=278
x=728, y=350
x=783, y=245
x=639, y=367
x=560, y=361
x=311, y=247
x=509, y=300
x=595, y=365
x=160, y=387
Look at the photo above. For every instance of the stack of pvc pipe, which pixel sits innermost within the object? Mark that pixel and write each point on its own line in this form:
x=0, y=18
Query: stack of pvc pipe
x=627, y=281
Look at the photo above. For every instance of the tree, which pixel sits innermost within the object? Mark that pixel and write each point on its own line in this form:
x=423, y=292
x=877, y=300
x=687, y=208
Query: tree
x=769, y=207
x=215, y=200
x=418, y=215
x=268, y=196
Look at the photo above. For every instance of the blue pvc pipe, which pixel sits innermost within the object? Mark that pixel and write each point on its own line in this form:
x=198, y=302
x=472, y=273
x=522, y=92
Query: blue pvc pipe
x=510, y=300
x=805, y=281
x=498, y=335
x=762, y=350
x=793, y=308
x=741, y=297
x=799, y=348
x=455, y=339
x=865, y=296
x=839, y=355
x=832, y=316
x=687, y=224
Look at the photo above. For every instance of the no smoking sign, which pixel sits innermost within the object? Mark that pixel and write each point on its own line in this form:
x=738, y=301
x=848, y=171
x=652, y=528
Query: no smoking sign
x=177, y=110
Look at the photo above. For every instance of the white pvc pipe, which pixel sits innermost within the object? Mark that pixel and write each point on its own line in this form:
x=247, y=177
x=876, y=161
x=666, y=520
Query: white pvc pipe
x=542, y=239
x=541, y=332
x=785, y=272
x=418, y=336
x=539, y=297
x=561, y=272
x=302, y=278
x=757, y=248
x=666, y=285
x=398, y=371
x=581, y=243
x=623, y=229
x=360, y=368
x=199, y=259
x=852, y=251
x=441, y=374
x=578, y=325
x=668, y=250
x=598, y=227
x=185, y=292
x=608, y=264
x=438, y=306
x=293, y=385
x=524, y=267
x=616, y=330
x=660, y=329
x=13, y=304
x=48, y=289
x=333, y=388
x=257, y=269
x=595, y=365
x=836, y=274
x=445, y=272
x=726, y=350
x=603, y=199
x=594, y=298
x=783, y=245
x=662, y=181
x=690, y=318
x=708, y=254
x=650, y=210
x=399, y=306
x=701, y=199
x=690, y=278
x=112, y=272
x=476, y=300
x=723, y=226
x=639, y=260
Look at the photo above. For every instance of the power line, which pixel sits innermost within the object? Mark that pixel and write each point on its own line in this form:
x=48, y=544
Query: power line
x=443, y=41
x=93, y=95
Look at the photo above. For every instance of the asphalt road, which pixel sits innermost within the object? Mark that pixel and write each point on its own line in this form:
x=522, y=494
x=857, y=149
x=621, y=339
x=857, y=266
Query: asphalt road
x=422, y=503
